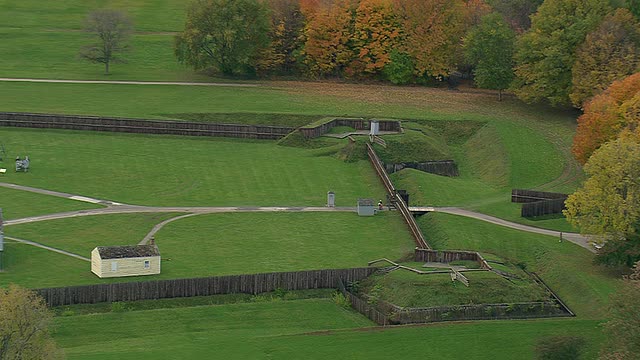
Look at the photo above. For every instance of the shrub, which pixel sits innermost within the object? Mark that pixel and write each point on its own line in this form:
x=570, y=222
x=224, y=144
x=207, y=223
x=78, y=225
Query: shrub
x=341, y=300
x=560, y=348
x=119, y=306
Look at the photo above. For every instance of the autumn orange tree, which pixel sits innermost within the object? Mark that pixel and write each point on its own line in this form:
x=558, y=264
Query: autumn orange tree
x=433, y=30
x=606, y=116
x=609, y=53
x=377, y=32
x=328, y=48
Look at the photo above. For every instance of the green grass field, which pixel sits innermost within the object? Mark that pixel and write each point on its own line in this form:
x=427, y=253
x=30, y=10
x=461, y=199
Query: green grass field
x=310, y=329
x=178, y=171
x=567, y=268
x=17, y=204
x=206, y=245
x=408, y=289
x=520, y=146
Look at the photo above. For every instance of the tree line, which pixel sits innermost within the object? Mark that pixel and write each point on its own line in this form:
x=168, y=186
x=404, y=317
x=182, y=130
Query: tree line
x=562, y=52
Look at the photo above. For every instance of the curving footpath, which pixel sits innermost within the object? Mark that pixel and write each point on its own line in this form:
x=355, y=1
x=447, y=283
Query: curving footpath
x=112, y=207
x=575, y=238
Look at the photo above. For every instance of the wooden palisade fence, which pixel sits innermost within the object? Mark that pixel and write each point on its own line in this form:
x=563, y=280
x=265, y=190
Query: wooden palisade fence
x=142, y=126
x=538, y=203
x=218, y=285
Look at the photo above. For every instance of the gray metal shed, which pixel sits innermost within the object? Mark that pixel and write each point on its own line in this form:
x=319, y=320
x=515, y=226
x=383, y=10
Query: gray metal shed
x=366, y=207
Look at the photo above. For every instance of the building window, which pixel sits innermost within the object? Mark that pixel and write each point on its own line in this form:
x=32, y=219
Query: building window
x=147, y=264
x=114, y=266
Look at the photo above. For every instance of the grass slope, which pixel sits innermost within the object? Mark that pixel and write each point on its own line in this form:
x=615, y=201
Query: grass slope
x=567, y=268
x=408, y=289
x=179, y=171
x=309, y=329
x=197, y=332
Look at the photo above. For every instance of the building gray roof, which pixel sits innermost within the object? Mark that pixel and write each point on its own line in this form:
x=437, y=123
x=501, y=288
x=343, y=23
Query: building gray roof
x=127, y=251
x=365, y=202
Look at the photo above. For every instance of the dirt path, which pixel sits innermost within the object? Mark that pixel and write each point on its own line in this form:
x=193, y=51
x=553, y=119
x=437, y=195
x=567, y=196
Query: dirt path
x=123, y=82
x=32, y=243
x=121, y=208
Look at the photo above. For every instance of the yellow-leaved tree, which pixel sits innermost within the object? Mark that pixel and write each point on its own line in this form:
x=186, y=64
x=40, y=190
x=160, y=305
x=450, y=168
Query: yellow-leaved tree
x=24, y=326
x=608, y=203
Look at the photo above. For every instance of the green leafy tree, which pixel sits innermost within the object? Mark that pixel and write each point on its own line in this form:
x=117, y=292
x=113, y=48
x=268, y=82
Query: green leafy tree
x=399, y=70
x=623, y=328
x=608, y=203
x=634, y=7
x=517, y=13
x=225, y=34
x=287, y=23
x=24, y=326
x=489, y=47
x=546, y=53
x=609, y=53
x=111, y=30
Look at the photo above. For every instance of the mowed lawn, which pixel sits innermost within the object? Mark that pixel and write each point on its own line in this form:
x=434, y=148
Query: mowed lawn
x=185, y=171
x=567, y=268
x=300, y=329
x=206, y=245
x=18, y=204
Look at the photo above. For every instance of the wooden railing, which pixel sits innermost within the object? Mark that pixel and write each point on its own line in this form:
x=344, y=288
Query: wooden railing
x=399, y=203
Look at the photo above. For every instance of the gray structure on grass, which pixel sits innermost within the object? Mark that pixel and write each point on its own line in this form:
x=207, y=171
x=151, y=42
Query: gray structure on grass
x=366, y=207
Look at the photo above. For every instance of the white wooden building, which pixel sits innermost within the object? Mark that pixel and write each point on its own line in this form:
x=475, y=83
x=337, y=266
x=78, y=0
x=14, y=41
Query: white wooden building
x=118, y=261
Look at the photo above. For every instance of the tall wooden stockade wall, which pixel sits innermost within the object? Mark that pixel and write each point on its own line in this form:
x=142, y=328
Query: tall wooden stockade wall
x=538, y=203
x=142, y=126
x=218, y=285
x=358, y=124
x=421, y=242
x=447, y=256
x=363, y=307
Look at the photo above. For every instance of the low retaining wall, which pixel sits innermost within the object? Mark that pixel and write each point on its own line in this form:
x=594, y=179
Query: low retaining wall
x=447, y=256
x=443, y=167
x=142, y=126
x=162, y=289
x=476, y=312
x=312, y=132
